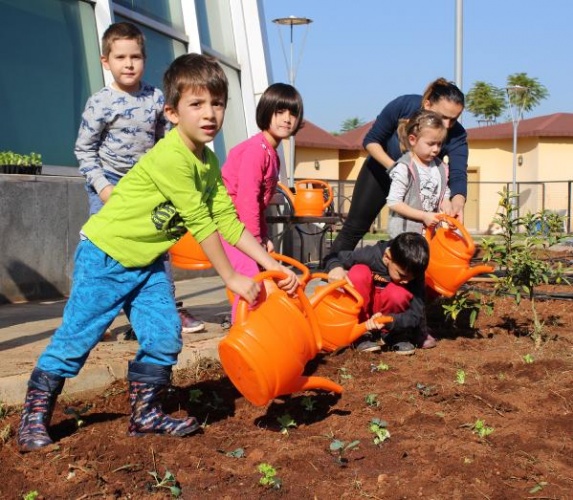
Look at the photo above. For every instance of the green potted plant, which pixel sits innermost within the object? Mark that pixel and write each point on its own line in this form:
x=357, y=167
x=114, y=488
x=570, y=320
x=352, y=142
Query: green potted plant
x=14, y=163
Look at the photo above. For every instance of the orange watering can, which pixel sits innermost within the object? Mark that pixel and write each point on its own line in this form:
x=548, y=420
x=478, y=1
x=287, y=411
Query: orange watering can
x=451, y=251
x=309, y=201
x=269, y=346
x=188, y=254
x=337, y=307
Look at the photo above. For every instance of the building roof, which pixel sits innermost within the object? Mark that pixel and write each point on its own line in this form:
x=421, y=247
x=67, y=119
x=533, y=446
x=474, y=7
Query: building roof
x=355, y=137
x=555, y=125
x=312, y=136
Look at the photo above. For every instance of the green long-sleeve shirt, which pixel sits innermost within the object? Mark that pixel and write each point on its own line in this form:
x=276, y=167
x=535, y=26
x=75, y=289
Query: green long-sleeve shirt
x=167, y=192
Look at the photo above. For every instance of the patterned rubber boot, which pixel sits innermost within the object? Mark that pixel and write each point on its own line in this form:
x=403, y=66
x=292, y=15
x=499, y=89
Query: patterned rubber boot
x=43, y=390
x=148, y=384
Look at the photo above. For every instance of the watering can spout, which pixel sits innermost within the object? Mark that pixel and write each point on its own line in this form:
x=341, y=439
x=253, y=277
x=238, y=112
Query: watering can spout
x=312, y=383
x=481, y=269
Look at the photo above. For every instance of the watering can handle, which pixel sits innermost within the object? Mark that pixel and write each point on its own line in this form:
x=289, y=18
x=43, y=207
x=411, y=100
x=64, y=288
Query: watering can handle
x=243, y=309
x=333, y=286
x=454, y=222
x=305, y=278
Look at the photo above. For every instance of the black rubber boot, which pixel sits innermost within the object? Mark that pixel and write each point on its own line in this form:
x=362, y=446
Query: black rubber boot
x=43, y=390
x=148, y=384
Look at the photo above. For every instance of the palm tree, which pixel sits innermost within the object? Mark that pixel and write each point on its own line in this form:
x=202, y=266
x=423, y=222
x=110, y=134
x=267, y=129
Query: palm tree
x=351, y=124
x=486, y=100
x=528, y=100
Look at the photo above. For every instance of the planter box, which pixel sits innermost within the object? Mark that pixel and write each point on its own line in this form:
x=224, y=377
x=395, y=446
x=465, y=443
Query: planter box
x=19, y=169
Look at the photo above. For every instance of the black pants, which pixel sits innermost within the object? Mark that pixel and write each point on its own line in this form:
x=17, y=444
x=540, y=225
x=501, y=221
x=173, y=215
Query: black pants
x=368, y=198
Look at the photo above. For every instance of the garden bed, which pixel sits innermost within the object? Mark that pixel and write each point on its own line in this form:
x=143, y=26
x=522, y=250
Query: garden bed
x=483, y=415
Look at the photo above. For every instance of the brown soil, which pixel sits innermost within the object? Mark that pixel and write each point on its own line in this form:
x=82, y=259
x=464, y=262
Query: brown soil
x=433, y=450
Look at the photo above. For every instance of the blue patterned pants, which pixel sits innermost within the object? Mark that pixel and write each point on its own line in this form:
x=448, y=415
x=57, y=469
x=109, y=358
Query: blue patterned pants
x=101, y=288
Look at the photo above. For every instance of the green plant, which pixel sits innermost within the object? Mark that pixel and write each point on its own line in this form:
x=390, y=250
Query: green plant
x=5, y=433
x=195, y=395
x=167, y=482
x=269, y=476
x=517, y=254
x=286, y=422
x=77, y=414
x=481, y=429
x=237, y=453
x=372, y=400
x=341, y=448
x=528, y=359
x=31, y=495
x=3, y=410
x=380, y=367
x=379, y=429
x=466, y=300
x=344, y=374
x=308, y=403
x=461, y=377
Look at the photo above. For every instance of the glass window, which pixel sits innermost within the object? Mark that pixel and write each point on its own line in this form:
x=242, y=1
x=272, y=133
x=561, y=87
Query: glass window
x=161, y=51
x=234, y=127
x=46, y=80
x=215, y=26
x=165, y=11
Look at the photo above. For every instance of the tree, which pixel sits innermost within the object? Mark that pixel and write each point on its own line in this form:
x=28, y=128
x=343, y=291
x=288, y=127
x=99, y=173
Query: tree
x=536, y=92
x=485, y=100
x=351, y=124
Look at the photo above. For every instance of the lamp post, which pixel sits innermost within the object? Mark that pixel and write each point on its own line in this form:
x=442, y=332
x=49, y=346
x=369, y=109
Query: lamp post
x=292, y=21
x=516, y=97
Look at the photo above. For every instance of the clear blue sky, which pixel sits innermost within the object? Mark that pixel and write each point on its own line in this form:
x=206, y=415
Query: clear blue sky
x=360, y=54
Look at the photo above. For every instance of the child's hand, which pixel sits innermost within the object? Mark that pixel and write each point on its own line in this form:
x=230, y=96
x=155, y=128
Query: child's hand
x=337, y=274
x=290, y=283
x=372, y=324
x=431, y=219
x=105, y=193
x=245, y=287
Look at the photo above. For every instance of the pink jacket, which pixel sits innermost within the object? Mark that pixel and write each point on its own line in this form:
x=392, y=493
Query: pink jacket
x=250, y=174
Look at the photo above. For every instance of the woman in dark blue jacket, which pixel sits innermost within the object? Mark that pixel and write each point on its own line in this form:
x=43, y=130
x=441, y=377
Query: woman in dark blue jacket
x=383, y=147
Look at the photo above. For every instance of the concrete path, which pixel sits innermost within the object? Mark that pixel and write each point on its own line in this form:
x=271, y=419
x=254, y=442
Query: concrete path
x=25, y=330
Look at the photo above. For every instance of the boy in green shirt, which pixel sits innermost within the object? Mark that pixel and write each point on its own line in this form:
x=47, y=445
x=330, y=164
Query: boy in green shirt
x=174, y=188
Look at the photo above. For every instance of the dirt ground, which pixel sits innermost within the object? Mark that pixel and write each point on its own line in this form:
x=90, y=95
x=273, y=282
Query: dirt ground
x=484, y=415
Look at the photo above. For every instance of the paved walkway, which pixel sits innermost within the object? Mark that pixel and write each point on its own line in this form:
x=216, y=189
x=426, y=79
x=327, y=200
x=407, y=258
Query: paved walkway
x=25, y=330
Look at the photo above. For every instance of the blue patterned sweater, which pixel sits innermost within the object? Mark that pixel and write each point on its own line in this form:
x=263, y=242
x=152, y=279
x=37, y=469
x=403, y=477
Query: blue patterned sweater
x=117, y=128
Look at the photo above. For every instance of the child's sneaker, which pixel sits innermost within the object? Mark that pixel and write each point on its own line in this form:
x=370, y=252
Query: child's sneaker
x=366, y=344
x=404, y=348
x=189, y=323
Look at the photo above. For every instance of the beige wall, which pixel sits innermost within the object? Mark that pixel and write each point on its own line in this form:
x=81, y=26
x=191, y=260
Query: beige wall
x=306, y=158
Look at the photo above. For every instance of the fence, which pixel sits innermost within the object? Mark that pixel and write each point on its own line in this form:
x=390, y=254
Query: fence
x=533, y=197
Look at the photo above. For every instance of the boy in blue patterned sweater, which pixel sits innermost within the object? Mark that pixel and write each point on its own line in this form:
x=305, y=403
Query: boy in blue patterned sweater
x=120, y=123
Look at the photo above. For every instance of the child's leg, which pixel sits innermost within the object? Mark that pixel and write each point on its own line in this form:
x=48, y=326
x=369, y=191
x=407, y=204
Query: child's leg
x=361, y=277
x=154, y=317
x=392, y=299
x=96, y=298
x=241, y=263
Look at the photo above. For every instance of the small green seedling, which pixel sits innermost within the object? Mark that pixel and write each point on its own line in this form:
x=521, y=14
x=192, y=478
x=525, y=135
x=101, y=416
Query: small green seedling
x=31, y=495
x=372, y=400
x=168, y=482
x=380, y=367
x=237, y=453
x=269, y=476
x=426, y=390
x=340, y=448
x=308, y=403
x=538, y=487
x=528, y=359
x=77, y=414
x=379, y=429
x=286, y=422
x=481, y=429
x=5, y=433
x=195, y=395
x=344, y=374
x=461, y=377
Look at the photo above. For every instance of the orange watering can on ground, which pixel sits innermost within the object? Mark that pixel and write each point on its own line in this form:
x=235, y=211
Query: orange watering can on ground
x=188, y=254
x=451, y=251
x=268, y=347
x=337, y=307
x=309, y=198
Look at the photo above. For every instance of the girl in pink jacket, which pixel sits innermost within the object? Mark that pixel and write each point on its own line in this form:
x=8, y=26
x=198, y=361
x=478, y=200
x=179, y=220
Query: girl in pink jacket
x=251, y=171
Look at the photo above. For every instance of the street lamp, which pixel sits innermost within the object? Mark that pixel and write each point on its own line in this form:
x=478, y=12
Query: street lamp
x=292, y=21
x=516, y=95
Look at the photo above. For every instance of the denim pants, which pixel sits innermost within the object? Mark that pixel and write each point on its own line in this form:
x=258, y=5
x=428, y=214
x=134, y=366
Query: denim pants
x=101, y=288
x=94, y=201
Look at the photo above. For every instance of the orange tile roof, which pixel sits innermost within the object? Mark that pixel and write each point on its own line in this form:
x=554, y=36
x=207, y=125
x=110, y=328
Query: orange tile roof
x=555, y=125
x=312, y=136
